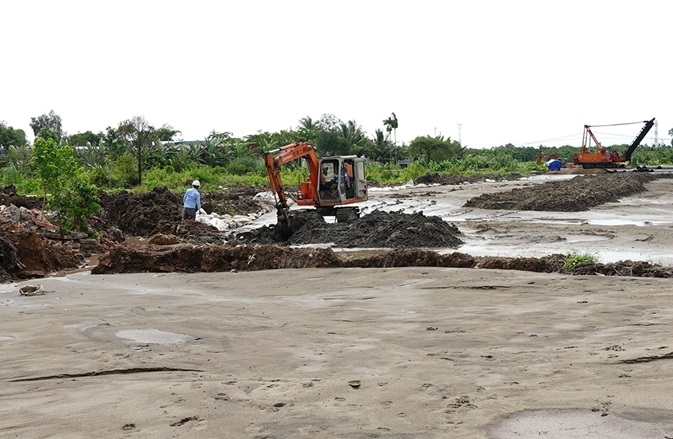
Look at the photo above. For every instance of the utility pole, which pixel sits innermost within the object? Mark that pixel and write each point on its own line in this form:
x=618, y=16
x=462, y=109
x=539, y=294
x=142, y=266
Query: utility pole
x=460, y=125
x=656, y=132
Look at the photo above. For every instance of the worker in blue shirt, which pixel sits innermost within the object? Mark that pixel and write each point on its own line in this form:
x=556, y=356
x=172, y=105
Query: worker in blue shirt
x=191, y=202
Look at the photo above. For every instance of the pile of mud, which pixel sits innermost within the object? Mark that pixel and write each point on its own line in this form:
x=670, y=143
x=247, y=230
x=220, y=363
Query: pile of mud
x=213, y=258
x=578, y=194
x=9, y=196
x=443, y=179
x=160, y=210
x=378, y=229
x=27, y=254
x=141, y=214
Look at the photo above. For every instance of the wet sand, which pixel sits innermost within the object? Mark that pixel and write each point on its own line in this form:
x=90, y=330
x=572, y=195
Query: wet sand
x=356, y=353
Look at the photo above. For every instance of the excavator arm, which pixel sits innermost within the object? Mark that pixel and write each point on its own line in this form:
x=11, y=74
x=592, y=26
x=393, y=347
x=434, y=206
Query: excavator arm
x=307, y=191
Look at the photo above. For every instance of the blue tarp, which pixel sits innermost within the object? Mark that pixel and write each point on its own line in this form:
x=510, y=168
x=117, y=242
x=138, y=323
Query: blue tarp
x=554, y=165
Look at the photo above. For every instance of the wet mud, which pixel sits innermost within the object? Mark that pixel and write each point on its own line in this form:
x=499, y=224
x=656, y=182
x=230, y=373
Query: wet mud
x=378, y=229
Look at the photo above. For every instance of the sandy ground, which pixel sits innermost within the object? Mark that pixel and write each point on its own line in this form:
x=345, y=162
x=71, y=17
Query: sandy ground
x=359, y=353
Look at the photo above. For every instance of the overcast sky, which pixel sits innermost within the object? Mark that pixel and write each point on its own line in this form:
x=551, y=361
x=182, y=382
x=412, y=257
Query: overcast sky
x=486, y=72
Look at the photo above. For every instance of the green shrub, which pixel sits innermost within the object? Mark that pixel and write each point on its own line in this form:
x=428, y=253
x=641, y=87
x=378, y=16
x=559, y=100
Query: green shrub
x=575, y=259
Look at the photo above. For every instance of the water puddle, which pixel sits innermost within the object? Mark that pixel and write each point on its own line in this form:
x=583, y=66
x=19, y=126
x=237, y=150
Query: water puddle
x=153, y=336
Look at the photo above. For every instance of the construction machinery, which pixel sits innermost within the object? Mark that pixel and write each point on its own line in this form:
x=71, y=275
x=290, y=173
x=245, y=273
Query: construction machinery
x=545, y=156
x=334, y=183
x=602, y=157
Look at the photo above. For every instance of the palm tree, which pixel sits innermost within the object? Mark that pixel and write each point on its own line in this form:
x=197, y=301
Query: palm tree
x=391, y=125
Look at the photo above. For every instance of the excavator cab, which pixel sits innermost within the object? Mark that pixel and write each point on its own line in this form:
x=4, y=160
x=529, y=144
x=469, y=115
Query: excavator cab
x=342, y=182
x=341, y=179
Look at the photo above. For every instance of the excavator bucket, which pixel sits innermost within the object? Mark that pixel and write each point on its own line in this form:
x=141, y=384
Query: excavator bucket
x=287, y=223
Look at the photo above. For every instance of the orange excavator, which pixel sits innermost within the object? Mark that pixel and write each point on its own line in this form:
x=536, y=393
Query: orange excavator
x=603, y=157
x=334, y=183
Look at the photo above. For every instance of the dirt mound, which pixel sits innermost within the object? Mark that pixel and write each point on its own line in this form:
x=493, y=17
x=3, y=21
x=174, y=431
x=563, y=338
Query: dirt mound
x=160, y=210
x=27, y=254
x=9, y=196
x=211, y=258
x=442, y=179
x=378, y=229
x=578, y=194
x=140, y=214
x=236, y=200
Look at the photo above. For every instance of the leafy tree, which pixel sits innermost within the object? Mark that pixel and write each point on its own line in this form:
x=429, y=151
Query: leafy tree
x=328, y=122
x=167, y=133
x=138, y=133
x=53, y=164
x=265, y=141
x=11, y=137
x=435, y=148
x=51, y=121
x=84, y=139
x=329, y=136
x=114, y=144
x=307, y=131
x=354, y=138
x=379, y=147
x=391, y=125
x=74, y=204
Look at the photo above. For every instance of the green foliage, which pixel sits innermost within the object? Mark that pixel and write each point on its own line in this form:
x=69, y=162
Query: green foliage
x=19, y=158
x=51, y=122
x=167, y=133
x=21, y=180
x=85, y=139
x=435, y=148
x=245, y=165
x=413, y=171
x=74, y=204
x=54, y=165
x=70, y=196
x=10, y=137
x=124, y=172
x=575, y=259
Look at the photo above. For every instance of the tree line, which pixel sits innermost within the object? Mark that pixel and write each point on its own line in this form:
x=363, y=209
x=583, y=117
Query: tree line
x=67, y=170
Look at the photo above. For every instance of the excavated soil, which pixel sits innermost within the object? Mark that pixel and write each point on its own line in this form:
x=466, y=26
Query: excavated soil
x=195, y=246
x=235, y=256
x=9, y=196
x=379, y=229
x=160, y=210
x=27, y=254
x=578, y=194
